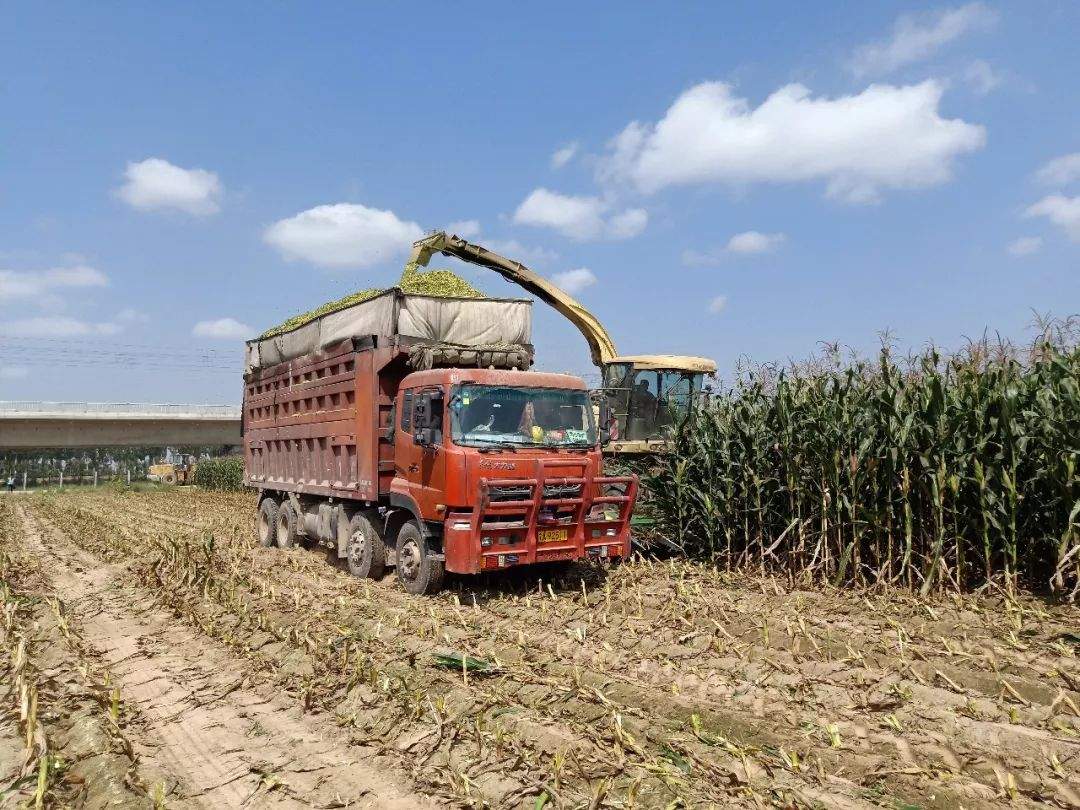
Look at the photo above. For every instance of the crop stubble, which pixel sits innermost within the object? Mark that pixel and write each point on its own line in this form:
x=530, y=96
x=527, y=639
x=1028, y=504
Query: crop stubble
x=643, y=685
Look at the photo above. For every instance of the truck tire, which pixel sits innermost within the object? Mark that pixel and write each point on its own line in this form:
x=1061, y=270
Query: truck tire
x=285, y=526
x=366, y=550
x=266, y=522
x=418, y=571
x=169, y=478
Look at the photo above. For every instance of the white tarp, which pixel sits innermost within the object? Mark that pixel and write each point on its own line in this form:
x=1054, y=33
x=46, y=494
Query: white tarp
x=461, y=321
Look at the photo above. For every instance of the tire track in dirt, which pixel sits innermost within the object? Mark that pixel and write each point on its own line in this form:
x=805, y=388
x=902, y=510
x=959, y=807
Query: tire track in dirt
x=201, y=729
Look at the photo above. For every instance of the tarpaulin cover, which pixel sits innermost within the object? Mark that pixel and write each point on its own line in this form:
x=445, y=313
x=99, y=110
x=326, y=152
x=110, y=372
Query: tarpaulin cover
x=459, y=321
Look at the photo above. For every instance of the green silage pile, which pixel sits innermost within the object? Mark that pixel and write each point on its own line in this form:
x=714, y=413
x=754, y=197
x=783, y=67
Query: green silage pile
x=437, y=283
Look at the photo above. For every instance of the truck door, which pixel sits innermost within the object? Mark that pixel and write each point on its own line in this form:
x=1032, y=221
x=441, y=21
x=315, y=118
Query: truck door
x=421, y=467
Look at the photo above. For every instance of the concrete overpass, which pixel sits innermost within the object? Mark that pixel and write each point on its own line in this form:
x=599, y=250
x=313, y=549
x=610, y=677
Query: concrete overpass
x=26, y=425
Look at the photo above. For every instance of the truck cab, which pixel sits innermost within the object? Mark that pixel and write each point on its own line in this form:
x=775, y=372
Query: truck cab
x=504, y=468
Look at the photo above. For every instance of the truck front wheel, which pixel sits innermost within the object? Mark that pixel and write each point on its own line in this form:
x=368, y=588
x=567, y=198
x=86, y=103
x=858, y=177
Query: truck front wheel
x=366, y=551
x=417, y=569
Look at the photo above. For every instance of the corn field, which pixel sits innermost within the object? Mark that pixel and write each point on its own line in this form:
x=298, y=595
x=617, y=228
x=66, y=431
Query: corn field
x=221, y=474
x=934, y=473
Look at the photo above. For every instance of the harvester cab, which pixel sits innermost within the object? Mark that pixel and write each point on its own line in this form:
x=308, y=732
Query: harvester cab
x=645, y=395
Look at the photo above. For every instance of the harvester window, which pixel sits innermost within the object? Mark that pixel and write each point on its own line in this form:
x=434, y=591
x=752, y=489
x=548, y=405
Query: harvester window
x=618, y=375
x=643, y=394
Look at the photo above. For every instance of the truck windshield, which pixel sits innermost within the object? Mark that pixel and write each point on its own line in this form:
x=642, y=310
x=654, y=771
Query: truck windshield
x=485, y=415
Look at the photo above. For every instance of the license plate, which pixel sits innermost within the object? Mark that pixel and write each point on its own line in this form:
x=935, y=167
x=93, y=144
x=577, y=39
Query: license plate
x=551, y=536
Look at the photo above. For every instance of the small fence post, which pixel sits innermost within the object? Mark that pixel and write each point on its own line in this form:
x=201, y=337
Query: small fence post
x=129, y=476
x=24, y=480
x=95, y=478
x=61, y=479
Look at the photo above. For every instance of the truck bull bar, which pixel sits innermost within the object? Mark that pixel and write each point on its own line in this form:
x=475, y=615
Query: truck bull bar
x=533, y=527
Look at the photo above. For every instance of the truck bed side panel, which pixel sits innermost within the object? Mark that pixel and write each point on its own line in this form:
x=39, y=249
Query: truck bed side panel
x=302, y=421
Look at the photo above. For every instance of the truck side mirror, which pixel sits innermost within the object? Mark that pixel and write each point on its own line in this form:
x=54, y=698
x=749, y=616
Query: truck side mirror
x=427, y=418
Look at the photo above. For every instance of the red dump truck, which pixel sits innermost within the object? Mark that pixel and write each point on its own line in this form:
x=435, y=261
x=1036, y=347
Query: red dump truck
x=368, y=446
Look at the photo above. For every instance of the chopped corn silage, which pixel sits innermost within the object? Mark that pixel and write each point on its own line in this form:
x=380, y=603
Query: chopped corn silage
x=436, y=283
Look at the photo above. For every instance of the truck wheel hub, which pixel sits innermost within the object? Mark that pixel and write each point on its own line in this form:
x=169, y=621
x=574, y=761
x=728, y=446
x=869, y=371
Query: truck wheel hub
x=410, y=559
x=357, y=545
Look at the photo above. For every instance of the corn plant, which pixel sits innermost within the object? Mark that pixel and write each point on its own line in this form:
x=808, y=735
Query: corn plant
x=935, y=472
x=220, y=474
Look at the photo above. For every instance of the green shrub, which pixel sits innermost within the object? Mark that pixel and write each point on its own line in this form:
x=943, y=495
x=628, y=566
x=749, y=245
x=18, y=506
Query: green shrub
x=225, y=473
x=935, y=473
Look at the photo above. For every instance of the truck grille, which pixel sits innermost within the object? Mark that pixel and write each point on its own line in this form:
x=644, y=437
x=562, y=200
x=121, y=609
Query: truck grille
x=504, y=493
x=524, y=493
x=557, y=491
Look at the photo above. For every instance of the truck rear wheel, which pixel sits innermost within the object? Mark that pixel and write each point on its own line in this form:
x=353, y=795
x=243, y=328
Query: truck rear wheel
x=366, y=551
x=266, y=522
x=285, y=526
x=417, y=569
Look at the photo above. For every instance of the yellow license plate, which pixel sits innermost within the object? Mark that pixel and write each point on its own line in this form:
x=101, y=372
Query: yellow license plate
x=551, y=536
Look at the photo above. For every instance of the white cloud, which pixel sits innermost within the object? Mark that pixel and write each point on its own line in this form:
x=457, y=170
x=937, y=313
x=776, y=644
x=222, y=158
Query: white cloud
x=1060, y=171
x=576, y=217
x=13, y=372
x=222, y=329
x=752, y=242
x=574, y=281
x=55, y=327
x=581, y=218
x=156, y=183
x=885, y=137
x=982, y=78
x=42, y=284
x=564, y=155
x=717, y=304
x=916, y=37
x=130, y=315
x=747, y=243
x=1062, y=211
x=465, y=228
x=628, y=223
x=343, y=235
x=1024, y=246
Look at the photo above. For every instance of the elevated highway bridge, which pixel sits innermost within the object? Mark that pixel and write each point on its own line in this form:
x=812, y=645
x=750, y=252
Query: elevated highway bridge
x=25, y=425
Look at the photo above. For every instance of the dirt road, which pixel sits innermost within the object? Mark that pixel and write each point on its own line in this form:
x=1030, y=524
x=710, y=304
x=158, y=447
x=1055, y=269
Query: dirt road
x=215, y=673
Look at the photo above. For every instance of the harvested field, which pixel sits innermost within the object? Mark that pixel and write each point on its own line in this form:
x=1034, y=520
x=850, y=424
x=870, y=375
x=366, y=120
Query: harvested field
x=175, y=663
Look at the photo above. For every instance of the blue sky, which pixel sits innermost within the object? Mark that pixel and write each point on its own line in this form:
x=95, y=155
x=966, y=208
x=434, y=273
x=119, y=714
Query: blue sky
x=719, y=179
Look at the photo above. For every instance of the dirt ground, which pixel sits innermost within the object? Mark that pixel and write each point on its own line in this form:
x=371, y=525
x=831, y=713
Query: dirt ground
x=152, y=655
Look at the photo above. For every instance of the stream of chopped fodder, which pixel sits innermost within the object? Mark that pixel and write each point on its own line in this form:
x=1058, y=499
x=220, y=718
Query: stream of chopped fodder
x=670, y=681
x=62, y=740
